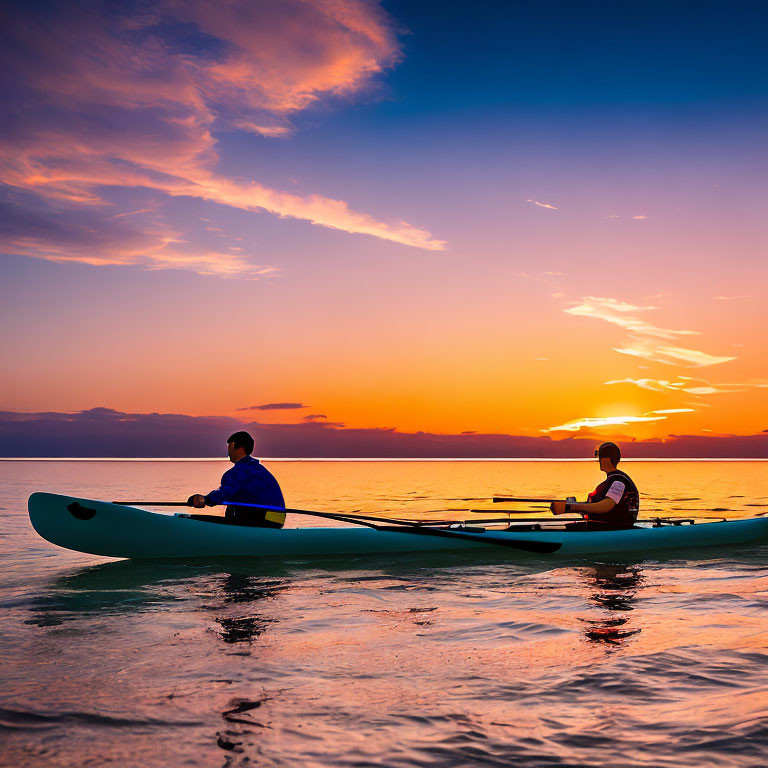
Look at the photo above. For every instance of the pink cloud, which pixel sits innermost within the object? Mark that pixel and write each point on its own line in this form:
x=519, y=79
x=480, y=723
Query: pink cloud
x=105, y=101
x=93, y=235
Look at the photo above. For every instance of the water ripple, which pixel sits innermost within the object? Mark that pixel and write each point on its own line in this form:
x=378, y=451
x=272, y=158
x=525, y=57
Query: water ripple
x=27, y=719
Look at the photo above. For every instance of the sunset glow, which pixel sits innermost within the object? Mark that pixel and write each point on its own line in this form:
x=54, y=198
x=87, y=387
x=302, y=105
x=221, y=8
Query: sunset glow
x=385, y=220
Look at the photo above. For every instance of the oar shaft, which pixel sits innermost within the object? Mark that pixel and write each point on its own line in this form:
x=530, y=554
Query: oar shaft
x=343, y=516
x=153, y=503
x=510, y=499
x=371, y=522
x=415, y=527
x=526, y=545
x=535, y=510
x=313, y=513
x=351, y=517
x=516, y=520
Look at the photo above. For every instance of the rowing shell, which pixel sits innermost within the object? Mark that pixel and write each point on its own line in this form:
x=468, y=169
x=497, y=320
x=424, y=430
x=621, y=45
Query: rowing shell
x=112, y=530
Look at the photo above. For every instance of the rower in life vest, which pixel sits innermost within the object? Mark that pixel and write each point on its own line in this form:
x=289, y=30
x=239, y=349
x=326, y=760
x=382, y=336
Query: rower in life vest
x=613, y=504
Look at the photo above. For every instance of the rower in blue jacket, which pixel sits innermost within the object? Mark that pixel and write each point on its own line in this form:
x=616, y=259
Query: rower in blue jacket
x=250, y=482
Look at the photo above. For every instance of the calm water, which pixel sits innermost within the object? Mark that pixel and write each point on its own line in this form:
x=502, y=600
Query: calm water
x=387, y=662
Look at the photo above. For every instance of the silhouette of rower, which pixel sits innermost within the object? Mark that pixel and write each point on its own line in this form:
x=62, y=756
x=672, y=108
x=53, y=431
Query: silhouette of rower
x=613, y=504
x=248, y=482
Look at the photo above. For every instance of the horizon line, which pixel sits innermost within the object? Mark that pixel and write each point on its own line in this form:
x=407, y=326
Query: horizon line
x=372, y=459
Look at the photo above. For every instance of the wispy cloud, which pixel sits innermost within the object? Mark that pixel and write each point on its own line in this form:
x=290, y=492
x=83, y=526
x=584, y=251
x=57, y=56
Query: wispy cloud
x=132, y=213
x=622, y=314
x=544, y=205
x=640, y=217
x=653, y=385
x=116, y=100
x=598, y=422
x=672, y=355
x=273, y=407
x=641, y=341
x=93, y=235
x=605, y=421
x=540, y=277
x=683, y=384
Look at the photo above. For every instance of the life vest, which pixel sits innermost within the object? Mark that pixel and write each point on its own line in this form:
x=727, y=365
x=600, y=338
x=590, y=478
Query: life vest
x=625, y=512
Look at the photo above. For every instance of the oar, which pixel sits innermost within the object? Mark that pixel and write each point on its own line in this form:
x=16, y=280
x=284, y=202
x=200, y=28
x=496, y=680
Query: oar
x=516, y=520
x=408, y=526
x=343, y=516
x=153, y=503
x=416, y=527
x=509, y=511
x=509, y=499
x=540, y=547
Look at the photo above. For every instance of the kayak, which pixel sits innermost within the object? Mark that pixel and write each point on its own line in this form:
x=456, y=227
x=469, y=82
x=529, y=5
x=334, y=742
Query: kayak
x=114, y=530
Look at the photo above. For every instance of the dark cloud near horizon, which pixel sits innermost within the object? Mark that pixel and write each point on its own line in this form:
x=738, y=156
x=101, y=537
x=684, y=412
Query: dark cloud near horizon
x=273, y=407
x=103, y=432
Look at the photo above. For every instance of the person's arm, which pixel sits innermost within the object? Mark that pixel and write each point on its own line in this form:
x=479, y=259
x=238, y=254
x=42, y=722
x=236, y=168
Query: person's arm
x=584, y=508
x=230, y=484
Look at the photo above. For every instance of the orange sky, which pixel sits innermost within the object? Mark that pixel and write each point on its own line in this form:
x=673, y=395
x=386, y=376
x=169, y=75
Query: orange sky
x=303, y=207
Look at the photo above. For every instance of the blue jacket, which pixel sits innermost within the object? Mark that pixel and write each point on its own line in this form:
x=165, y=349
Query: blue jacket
x=248, y=481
